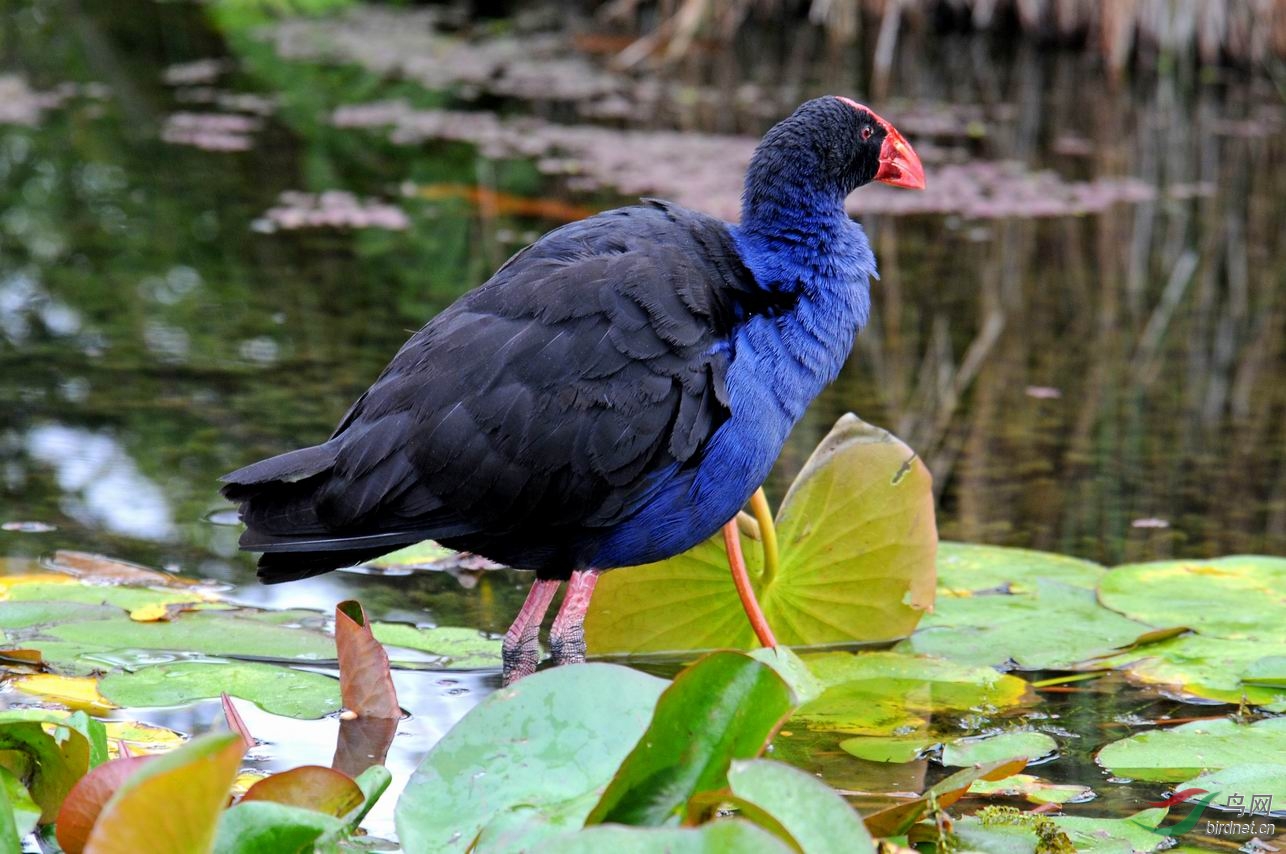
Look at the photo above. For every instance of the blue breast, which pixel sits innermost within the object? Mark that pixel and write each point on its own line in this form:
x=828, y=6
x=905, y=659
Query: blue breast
x=779, y=364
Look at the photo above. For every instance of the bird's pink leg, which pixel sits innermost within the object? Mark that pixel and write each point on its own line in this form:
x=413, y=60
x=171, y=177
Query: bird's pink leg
x=567, y=635
x=520, y=651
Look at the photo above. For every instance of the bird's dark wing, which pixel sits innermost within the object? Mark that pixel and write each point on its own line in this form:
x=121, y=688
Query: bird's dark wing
x=557, y=396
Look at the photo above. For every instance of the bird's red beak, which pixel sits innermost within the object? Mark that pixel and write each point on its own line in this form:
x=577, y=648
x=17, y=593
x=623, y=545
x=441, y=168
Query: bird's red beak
x=899, y=164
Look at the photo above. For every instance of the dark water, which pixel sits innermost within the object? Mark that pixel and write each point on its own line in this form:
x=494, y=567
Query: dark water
x=1110, y=385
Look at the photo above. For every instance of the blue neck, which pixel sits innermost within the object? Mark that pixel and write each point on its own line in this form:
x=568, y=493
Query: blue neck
x=803, y=244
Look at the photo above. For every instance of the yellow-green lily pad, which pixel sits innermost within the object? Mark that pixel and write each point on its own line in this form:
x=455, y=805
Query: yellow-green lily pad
x=1178, y=754
x=966, y=568
x=280, y=690
x=979, y=750
x=889, y=693
x=1239, y=597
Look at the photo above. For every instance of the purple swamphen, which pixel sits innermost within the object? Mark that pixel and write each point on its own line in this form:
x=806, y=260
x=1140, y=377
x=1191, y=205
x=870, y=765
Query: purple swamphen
x=611, y=396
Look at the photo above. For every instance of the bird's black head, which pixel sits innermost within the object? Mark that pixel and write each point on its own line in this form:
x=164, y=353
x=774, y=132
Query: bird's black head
x=828, y=148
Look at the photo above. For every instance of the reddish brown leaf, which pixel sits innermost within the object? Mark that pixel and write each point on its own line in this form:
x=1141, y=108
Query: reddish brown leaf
x=365, y=683
x=88, y=797
x=235, y=721
x=101, y=568
x=311, y=787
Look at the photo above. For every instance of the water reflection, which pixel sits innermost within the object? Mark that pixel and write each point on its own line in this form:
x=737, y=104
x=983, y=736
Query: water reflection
x=100, y=484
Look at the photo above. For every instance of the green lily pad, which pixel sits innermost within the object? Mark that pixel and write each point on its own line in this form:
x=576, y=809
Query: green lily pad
x=1032, y=789
x=1057, y=628
x=889, y=693
x=1005, y=830
x=877, y=748
x=739, y=703
x=280, y=690
x=717, y=837
x=1209, y=667
x=965, y=569
x=857, y=538
x=1249, y=780
x=992, y=748
x=1242, y=596
x=814, y=815
x=1130, y=835
x=548, y=744
x=456, y=648
x=24, y=615
x=128, y=598
x=1185, y=751
x=205, y=632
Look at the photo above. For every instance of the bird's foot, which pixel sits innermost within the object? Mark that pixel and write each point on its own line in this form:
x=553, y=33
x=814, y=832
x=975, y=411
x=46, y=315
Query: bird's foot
x=567, y=634
x=567, y=647
x=519, y=655
x=520, y=652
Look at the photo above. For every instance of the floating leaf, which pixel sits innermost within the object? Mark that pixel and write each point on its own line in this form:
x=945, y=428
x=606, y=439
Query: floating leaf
x=857, y=538
x=889, y=693
x=264, y=827
x=1177, y=754
x=965, y=569
x=310, y=787
x=24, y=811
x=1032, y=789
x=455, y=648
x=143, y=738
x=718, y=837
x=108, y=570
x=53, y=761
x=1055, y=629
x=173, y=802
x=992, y=748
x=553, y=739
x=129, y=598
x=1208, y=667
x=790, y=667
x=365, y=683
x=1130, y=835
x=23, y=615
x=816, y=817
x=205, y=632
x=74, y=692
x=875, y=748
x=280, y=690
x=87, y=798
x=1231, y=597
x=1253, y=778
x=739, y=703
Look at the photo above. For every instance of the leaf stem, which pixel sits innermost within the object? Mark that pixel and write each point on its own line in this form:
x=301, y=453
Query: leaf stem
x=768, y=533
x=745, y=592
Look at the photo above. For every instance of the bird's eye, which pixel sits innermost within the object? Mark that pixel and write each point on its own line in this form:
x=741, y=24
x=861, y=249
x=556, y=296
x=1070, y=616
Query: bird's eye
x=866, y=133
